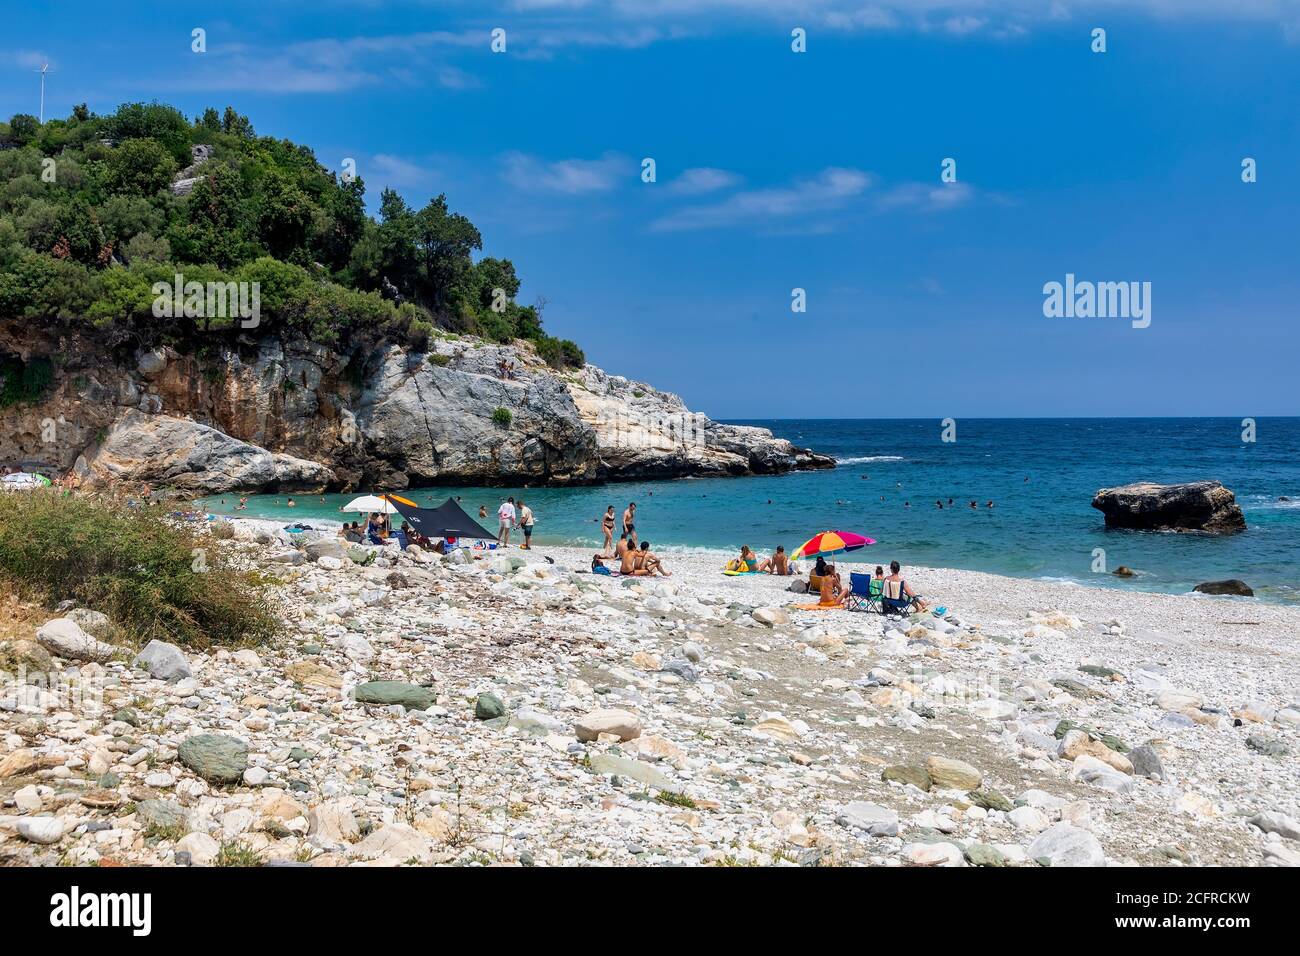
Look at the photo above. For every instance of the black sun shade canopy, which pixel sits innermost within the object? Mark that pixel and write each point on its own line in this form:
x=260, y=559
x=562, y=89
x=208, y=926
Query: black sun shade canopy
x=448, y=520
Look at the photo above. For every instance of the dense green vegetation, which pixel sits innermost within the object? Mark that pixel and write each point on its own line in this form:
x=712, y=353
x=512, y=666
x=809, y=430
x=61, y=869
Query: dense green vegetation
x=155, y=578
x=89, y=222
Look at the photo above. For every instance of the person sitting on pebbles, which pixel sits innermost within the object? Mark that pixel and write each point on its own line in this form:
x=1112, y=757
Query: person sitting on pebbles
x=648, y=562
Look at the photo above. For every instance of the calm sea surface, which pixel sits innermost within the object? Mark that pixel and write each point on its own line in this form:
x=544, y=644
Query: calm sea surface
x=1040, y=474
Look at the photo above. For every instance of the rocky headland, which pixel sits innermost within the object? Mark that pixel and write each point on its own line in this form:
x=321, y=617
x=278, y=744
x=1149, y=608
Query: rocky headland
x=265, y=415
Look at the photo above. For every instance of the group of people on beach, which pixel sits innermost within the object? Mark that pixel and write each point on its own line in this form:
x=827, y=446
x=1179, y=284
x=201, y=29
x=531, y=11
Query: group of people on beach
x=749, y=562
x=832, y=591
x=634, y=558
x=510, y=515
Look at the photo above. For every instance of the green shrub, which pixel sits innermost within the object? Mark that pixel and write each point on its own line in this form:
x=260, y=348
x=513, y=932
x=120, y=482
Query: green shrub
x=437, y=358
x=560, y=353
x=502, y=418
x=23, y=382
x=134, y=564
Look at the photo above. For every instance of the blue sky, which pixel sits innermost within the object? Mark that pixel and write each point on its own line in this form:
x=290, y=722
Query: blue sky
x=778, y=170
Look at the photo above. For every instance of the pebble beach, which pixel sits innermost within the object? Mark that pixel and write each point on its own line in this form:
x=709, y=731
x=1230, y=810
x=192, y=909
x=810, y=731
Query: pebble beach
x=506, y=710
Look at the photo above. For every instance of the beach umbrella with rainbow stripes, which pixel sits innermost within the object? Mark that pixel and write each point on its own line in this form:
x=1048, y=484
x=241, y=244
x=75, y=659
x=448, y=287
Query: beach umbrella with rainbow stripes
x=831, y=542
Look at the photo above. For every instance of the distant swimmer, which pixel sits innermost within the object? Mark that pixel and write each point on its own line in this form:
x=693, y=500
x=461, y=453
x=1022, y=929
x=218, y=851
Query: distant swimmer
x=907, y=504
x=989, y=505
x=974, y=505
x=938, y=504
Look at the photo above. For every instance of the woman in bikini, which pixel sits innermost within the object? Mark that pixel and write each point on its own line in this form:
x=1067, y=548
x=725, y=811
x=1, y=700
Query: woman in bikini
x=607, y=526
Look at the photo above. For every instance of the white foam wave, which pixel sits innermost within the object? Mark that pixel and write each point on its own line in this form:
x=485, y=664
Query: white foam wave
x=866, y=458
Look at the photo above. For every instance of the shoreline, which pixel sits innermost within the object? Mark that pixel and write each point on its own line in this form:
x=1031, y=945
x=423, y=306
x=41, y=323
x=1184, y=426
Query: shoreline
x=1106, y=582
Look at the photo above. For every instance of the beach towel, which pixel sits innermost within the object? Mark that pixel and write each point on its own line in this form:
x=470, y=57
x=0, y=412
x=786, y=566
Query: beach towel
x=820, y=607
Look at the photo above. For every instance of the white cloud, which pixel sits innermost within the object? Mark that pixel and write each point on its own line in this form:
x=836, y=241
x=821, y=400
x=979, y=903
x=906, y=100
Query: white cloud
x=30, y=59
x=795, y=207
x=814, y=204
x=570, y=177
x=398, y=173
x=955, y=17
x=334, y=65
x=922, y=197
x=702, y=179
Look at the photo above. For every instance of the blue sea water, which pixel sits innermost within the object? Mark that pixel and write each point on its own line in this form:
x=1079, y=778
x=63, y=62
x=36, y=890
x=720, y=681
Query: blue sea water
x=1041, y=475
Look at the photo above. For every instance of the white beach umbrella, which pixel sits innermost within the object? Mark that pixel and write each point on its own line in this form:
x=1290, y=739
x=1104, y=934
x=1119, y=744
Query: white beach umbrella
x=369, y=503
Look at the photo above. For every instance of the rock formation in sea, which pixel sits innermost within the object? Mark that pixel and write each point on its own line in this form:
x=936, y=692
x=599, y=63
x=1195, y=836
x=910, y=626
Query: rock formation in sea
x=1191, y=506
x=1232, y=586
x=272, y=416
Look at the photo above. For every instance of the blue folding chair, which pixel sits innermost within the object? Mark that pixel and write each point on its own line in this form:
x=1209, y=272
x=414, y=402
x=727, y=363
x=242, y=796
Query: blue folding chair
x=864, y=593
x=900, y=606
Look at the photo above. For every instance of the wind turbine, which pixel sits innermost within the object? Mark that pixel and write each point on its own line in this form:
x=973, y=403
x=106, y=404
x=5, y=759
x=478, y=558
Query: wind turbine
x=42, y=71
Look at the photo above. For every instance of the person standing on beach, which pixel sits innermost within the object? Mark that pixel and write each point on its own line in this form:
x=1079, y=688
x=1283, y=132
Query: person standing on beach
x=607, y=526
x=629, y=523
x=526, y=522
x=505, y=521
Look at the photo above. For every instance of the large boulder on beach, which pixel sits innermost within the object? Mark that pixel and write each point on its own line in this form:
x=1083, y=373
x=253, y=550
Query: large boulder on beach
x=1231, y=586
x=184, y=454
x=1192, y=506
x=65, y=638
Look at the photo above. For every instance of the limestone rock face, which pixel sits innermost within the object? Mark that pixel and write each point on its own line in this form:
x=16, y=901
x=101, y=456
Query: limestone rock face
x=265, y=415
x=181, y=453
x=641, y=432
x=424, y=422
x=1193, y=506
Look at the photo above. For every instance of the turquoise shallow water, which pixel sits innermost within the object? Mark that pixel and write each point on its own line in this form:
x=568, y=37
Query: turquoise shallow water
x=1042, y=527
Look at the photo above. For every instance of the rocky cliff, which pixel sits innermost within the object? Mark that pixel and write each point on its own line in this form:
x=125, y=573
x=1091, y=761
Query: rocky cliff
x=265, y=415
